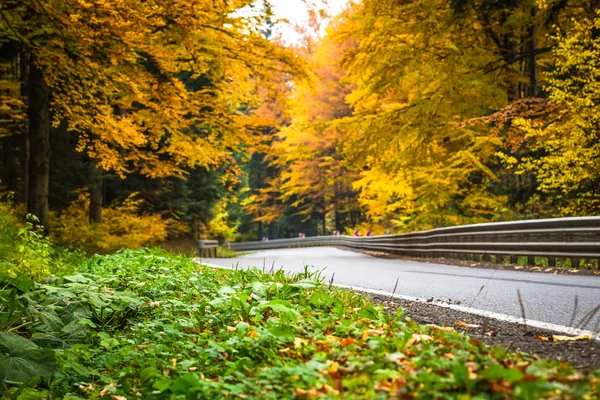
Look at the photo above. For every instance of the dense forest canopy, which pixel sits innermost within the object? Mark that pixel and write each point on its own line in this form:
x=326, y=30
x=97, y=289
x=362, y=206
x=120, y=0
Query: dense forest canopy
x=127, y=122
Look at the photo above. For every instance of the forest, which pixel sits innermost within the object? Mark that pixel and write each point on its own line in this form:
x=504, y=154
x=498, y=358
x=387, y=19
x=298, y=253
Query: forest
x=130, y=123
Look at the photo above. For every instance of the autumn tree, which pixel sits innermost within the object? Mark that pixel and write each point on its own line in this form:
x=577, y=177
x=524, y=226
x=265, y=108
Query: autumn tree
x=118, y=74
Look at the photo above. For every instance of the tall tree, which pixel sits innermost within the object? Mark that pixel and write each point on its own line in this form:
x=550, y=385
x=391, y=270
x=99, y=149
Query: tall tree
x=113, y=71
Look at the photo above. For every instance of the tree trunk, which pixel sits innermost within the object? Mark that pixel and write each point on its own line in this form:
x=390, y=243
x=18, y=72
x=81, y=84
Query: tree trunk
x=96, y=198
x=532, y=47
x=260, y=228
x=7, y=164
x=24, y=161
x=510, y=57
x=39, y=141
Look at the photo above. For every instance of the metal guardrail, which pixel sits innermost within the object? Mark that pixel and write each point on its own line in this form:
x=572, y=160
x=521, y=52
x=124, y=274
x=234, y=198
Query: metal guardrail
x=569, y=238
x=208, y=248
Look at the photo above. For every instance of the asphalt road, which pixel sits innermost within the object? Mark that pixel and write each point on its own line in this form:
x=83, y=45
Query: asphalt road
x=546, y=297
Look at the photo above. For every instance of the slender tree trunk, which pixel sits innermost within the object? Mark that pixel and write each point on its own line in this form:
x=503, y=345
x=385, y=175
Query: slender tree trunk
x=532, y=47
x=7, y=164
x=510, y=57
x=39, y=138
x=24, y=161
x=260, y=228
x=96, y=192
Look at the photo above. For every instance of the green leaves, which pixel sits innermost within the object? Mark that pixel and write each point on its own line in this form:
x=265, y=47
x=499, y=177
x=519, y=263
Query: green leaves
x=243, y=333
x=22, y=360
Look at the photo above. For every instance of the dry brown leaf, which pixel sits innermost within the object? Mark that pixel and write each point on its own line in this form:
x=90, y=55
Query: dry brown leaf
x=441, y=328
x=118, y=397
x=540, y=337
x=299, y=342
x=421, y=338
x=372, y=332
x=559, y=338
x=466, y=325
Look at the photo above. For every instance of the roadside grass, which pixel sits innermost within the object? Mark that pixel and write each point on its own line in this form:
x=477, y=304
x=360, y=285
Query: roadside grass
x=151, y=325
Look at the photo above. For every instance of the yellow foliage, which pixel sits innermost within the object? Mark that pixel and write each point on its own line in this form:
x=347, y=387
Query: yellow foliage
x=220, y=226
x=122, y=226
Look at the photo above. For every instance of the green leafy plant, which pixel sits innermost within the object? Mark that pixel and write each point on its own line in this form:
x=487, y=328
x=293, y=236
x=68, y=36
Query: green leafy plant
x=146, y=324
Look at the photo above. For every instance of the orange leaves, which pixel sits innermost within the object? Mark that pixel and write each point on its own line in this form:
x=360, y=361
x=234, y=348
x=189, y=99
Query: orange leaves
x=372, y=332
x=313, y=393
x=391, y=385
x=140, y=90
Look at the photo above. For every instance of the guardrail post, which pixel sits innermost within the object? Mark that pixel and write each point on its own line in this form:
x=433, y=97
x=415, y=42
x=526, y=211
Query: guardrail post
x=530, y=260
x=551, y=261
x=575, y=262
x=514, y=259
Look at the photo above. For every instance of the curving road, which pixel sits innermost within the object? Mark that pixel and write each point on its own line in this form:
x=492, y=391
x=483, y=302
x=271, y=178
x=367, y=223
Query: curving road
x=547, y=298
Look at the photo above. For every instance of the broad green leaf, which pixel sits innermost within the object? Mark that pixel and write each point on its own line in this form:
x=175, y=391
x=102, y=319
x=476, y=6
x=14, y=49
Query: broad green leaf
x=22, y=359
x=369, y=312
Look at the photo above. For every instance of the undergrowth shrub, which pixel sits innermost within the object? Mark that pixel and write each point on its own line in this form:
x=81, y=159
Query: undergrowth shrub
x=122, y=225
x=25, y=249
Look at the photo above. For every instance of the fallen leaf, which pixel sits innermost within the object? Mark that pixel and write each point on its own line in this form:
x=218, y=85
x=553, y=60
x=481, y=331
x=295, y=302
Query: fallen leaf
x=107, y=389
x=441, y=328
x=371, y=332
x=559, y=338
x=299, y=342
x=119, y=397
x=540, y=337
x=465, y=325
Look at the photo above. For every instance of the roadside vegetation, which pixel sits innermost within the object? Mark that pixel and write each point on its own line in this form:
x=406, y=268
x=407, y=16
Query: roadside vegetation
x=143, y=323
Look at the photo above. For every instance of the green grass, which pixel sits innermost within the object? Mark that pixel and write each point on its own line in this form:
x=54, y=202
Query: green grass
x=145, y=324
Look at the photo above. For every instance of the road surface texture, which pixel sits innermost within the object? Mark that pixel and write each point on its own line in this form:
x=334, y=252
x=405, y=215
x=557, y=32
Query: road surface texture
x=547, y=298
